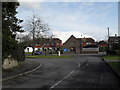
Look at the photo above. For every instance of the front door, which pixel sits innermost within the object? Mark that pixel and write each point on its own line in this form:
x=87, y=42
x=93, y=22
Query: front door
x=73, y=50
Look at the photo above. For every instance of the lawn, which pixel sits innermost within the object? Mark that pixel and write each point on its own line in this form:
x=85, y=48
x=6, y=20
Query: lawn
x=52, y=56
x=112, y=57
x=114, y=65
x=28, y=52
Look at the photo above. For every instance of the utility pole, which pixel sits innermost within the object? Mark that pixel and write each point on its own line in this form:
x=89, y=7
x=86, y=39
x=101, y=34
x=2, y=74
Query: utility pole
x=108, y=50
x=108, y=32
x=81, y=50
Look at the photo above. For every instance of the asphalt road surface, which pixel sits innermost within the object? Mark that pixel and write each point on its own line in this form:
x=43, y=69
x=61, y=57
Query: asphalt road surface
x=82, y=71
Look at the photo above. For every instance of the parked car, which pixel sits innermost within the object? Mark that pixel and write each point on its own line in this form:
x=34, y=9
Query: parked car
x=38, y=52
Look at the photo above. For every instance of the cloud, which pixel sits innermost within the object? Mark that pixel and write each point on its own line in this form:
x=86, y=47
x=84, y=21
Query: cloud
x=67, y=0
x=65, y=19
x=30, y=5
x=65, y=35
x=30, y=0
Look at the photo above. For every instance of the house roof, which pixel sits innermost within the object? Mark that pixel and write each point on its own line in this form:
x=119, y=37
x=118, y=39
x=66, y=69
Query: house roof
x=54, y=39
x=87, y=39
x=113, y=38
x=102, y=42
x=69, y=38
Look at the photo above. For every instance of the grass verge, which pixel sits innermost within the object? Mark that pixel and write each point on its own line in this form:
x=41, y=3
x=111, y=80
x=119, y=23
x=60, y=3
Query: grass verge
x=37, y=56
x=28, y=52
x=112, y=57
x=114, y=64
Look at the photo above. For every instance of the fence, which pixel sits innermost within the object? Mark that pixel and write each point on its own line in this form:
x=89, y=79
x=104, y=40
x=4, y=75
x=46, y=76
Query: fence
x=90, y=50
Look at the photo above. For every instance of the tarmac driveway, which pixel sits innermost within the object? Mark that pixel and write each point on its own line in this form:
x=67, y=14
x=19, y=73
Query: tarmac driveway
x=82, y=71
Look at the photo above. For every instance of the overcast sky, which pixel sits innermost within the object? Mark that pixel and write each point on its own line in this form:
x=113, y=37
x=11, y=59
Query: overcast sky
x=89, y=19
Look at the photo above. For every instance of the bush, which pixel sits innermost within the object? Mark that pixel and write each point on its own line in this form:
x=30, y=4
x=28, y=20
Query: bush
x=113, y=52
x=18, y=53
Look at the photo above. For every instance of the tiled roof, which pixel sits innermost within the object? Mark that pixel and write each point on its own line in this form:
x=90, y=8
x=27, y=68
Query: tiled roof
x=87, y=39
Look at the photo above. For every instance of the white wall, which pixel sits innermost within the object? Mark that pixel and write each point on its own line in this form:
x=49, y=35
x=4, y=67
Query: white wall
x=29, y=49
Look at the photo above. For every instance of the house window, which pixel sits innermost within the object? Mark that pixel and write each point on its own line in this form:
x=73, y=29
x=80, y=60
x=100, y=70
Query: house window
x=37, y=44
x=116, y=41
x=58, y=43
x=53, y=43
x=88, y=43
x=72, y=49
x=72, y=43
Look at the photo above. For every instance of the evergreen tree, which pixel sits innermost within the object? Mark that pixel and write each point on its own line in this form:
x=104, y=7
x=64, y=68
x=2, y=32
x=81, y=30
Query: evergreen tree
x=10, y=25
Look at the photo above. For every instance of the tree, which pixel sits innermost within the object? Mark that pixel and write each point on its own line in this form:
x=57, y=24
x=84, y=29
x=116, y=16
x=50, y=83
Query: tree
x=37, y=28
x=10, y=25
x=26, y=41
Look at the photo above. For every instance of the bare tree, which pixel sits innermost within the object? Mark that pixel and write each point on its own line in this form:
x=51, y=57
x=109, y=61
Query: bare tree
x=37, y=28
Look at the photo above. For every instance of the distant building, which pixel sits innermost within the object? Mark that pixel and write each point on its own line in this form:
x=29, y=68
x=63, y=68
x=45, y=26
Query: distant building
x=80, y=45
x=54, y=43
x=103, y=46
x=29, y=49
x=48, y=44
x=114, y=42
x=114, y=39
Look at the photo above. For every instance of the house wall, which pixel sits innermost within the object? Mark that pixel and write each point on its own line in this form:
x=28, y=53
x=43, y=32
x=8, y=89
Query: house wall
x=72, y=42
x=78, y=49
x=29, y=49
x=76, y=43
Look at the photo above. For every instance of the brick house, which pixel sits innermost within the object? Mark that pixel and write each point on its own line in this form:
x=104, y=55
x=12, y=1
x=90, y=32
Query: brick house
x=114, y=44
x=48, y=44
x=113, y=40
x=103, y=46
x=75, y=45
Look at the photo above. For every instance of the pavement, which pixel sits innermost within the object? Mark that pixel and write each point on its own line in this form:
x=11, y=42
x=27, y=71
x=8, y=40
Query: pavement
x=26, y=67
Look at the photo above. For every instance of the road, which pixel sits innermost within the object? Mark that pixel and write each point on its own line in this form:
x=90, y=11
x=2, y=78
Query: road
x=82, y=71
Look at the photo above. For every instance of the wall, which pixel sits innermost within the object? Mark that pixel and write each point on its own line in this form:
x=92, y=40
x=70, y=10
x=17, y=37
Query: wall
x=29, y=49
x=72, y=42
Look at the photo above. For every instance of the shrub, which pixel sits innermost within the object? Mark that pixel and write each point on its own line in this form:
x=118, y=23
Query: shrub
x=18, y=53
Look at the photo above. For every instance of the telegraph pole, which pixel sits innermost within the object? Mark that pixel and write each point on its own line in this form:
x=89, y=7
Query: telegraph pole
x=108, y=50
x=108, y=32
x=81, y=50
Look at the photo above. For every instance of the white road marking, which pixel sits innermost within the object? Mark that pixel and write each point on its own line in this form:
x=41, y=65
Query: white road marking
x=56, y=84
x=65, y=77
x=69, y=74
x=62, y=79
x=79, y=65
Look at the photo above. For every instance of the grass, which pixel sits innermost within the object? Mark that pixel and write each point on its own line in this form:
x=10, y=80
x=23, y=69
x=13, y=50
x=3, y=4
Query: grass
x=112, y=57
x=28, y=52
x=115, y=66
x=52, y=56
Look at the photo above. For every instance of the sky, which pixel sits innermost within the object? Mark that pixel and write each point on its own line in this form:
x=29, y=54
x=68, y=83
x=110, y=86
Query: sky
x=81, y=19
